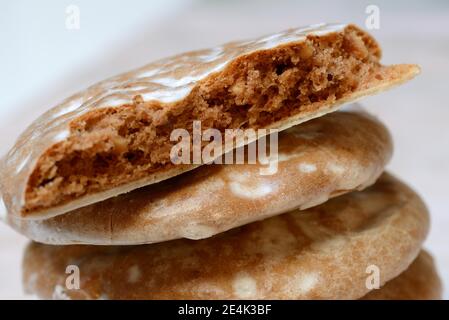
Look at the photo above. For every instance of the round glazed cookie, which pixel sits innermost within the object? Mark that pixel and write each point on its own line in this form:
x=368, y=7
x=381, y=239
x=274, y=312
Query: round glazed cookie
x=115, y=136
x=320, y=253
x=419, y=282
x=317, y=160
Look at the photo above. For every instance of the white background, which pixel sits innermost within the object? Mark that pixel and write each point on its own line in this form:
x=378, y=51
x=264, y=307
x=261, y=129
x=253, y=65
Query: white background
x=42, y=62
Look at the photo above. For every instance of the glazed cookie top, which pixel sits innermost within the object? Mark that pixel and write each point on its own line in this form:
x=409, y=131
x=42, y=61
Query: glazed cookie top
x=114, y=136
x=320, y=253
x=317, y=160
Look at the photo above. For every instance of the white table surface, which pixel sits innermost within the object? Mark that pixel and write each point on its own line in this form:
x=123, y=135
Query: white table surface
x=41, y=62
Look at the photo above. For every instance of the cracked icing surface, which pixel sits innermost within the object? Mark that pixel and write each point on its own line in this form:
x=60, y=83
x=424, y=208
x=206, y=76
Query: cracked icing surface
x=42, y=168
x=217, y=198
x=290, y=256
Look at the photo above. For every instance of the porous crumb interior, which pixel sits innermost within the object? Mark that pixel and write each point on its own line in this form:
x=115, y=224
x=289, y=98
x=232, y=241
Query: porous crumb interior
x=113, y=146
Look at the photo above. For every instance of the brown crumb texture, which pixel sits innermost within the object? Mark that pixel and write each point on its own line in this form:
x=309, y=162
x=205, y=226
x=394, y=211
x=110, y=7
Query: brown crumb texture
x=112, y=146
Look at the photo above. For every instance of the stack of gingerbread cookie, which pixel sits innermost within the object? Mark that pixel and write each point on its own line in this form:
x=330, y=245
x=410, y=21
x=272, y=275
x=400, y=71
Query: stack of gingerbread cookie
x=117, y=183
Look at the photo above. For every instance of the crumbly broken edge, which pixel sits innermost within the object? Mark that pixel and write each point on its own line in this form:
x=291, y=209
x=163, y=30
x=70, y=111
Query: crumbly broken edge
x=113, y=146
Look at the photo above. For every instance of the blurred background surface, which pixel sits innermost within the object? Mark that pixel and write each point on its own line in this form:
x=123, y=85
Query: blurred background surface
x=42, y=61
